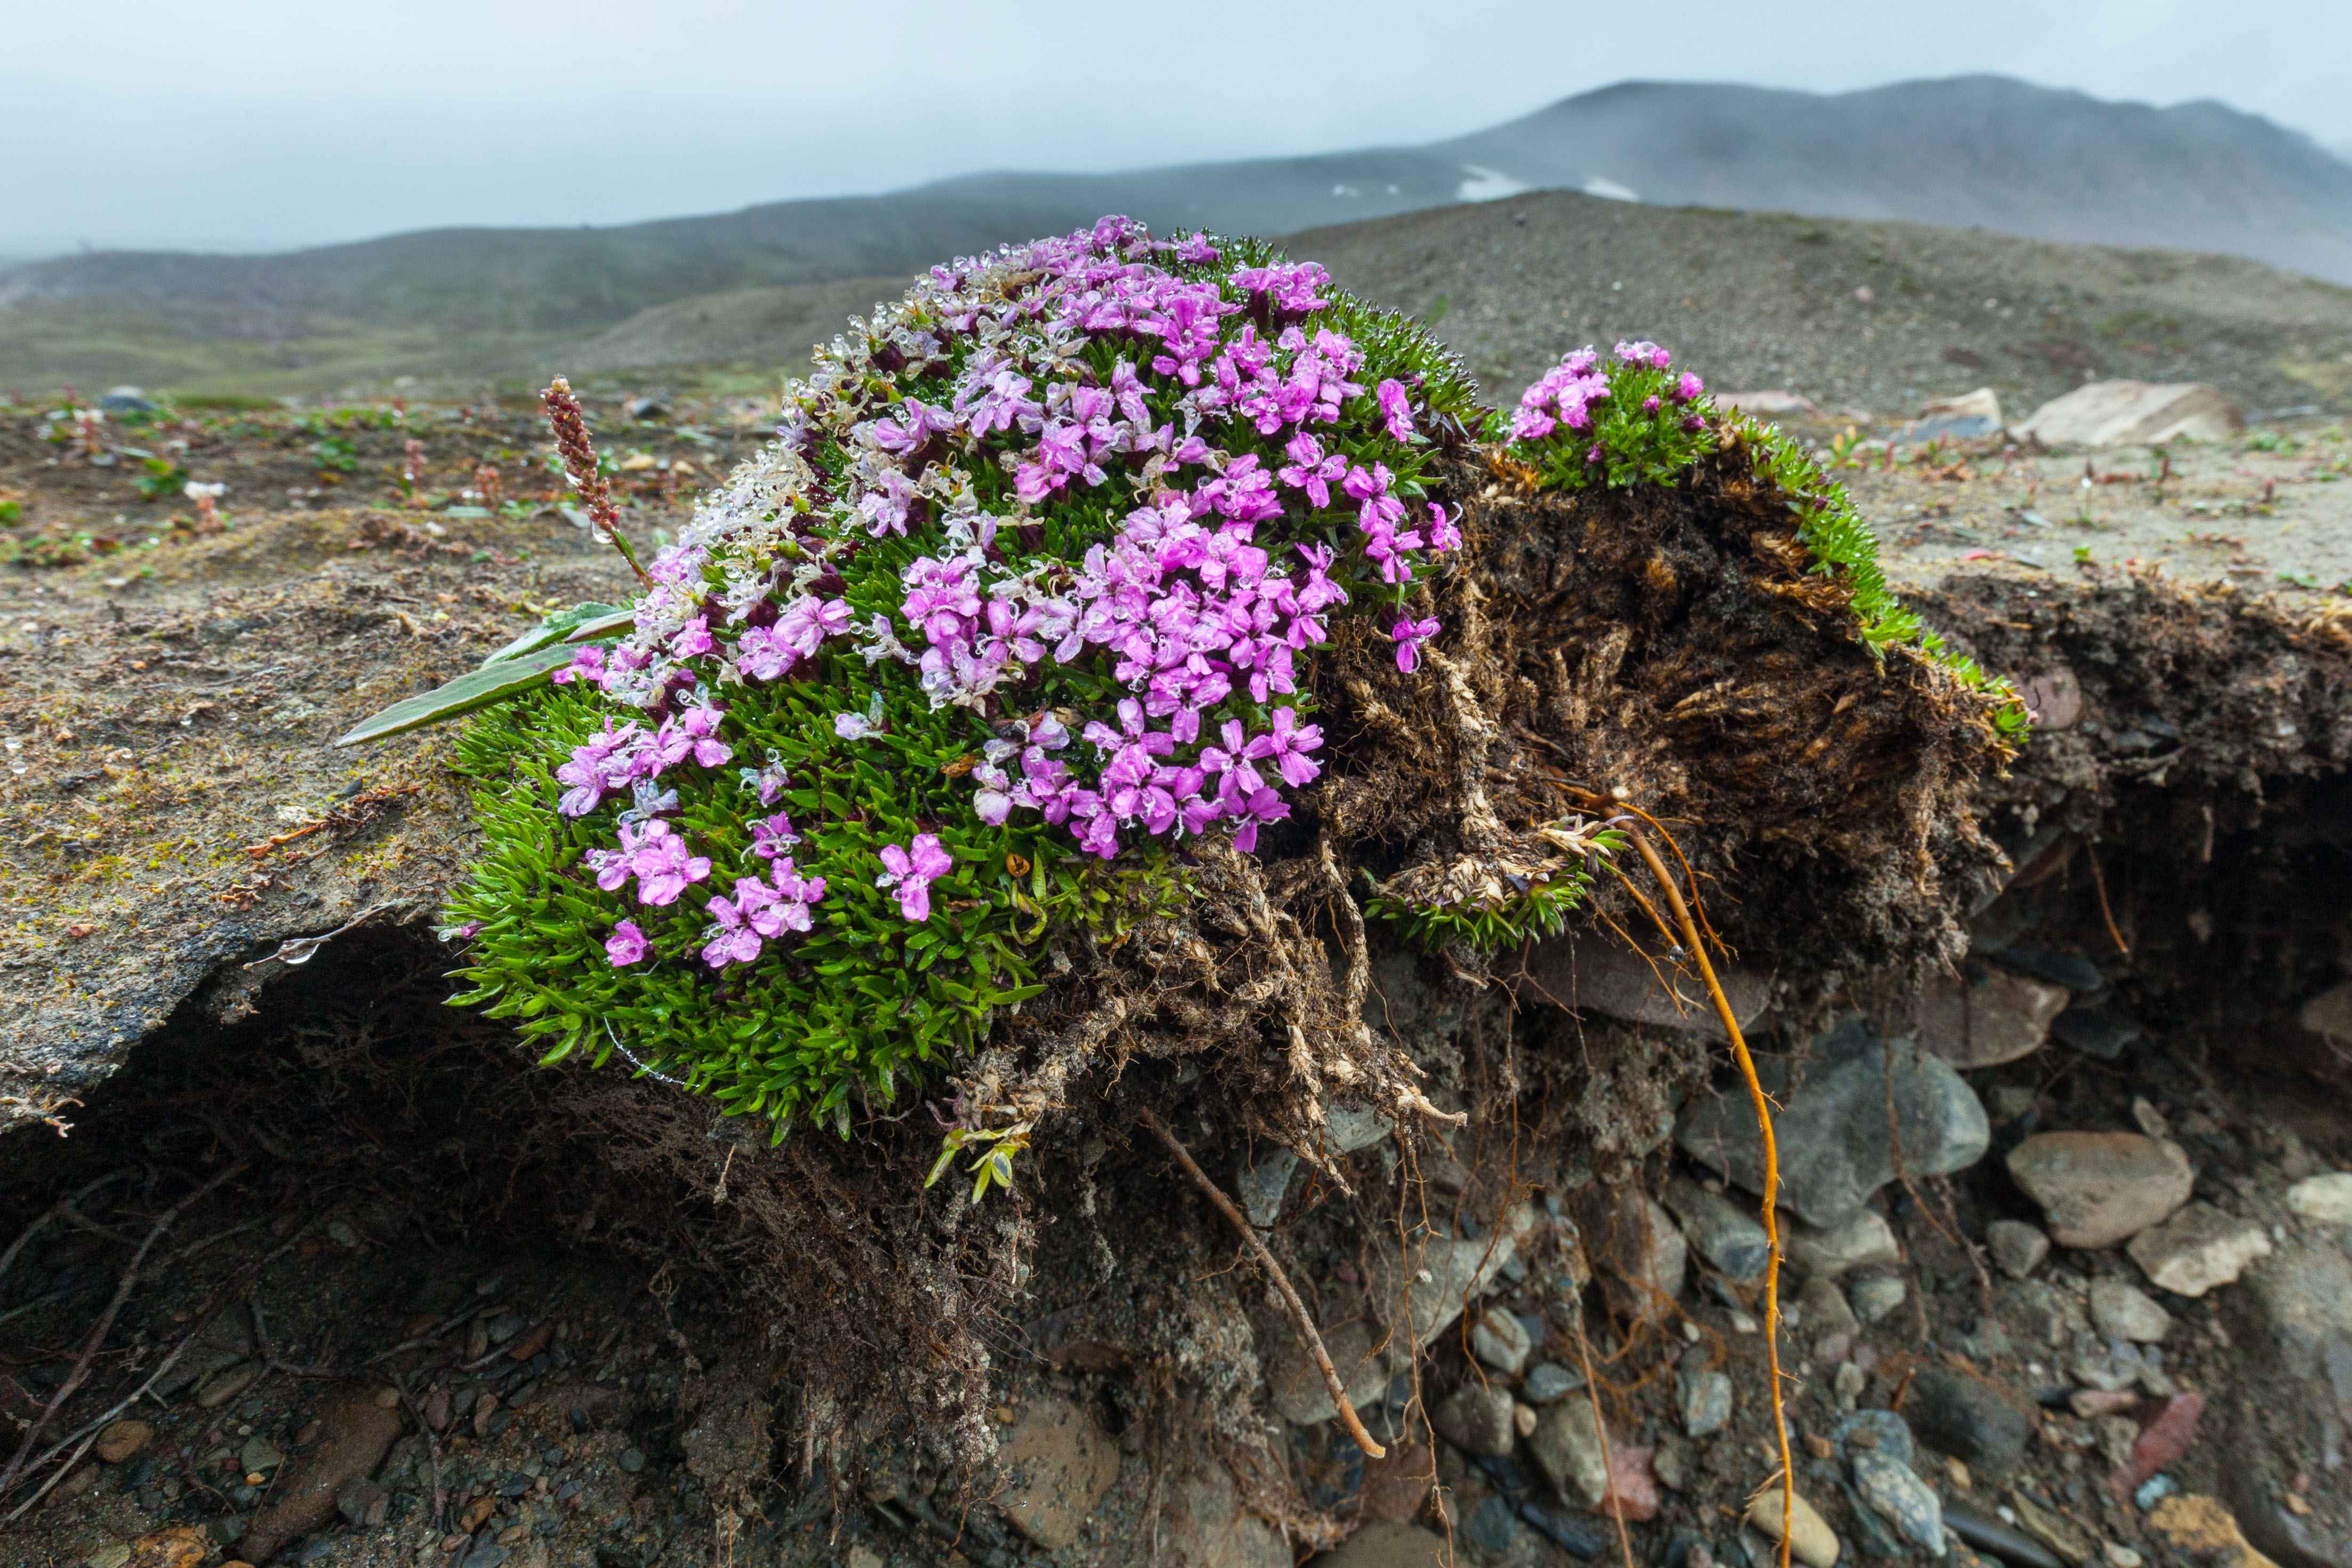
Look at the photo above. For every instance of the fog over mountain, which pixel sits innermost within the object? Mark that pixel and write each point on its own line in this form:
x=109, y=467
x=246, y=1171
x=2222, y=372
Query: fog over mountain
x=1971, y=151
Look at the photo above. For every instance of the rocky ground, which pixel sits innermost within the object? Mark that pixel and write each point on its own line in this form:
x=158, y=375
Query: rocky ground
x=2066, y=1273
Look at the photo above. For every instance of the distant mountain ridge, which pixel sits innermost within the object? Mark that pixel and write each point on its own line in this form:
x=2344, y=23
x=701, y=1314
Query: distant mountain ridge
x=1983, y=151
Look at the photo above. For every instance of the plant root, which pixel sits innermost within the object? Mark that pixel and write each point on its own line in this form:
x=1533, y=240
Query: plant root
x=1306, y=1331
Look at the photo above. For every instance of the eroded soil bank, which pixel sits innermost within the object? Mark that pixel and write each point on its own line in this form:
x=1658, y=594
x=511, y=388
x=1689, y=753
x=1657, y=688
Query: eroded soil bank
x=429, y=1304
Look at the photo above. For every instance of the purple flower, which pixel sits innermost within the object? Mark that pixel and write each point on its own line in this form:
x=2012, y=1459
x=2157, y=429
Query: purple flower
x=853, y=726
x=1444, y=533
x=1287, y=744
x=912, y=870
x=1410, y=635
x=770, y=836
x=626, y=946
x=1688, y=389
x=796, y=895
x=661, y=864
x=1396, y=410
x=732, y=940
x=587, y=664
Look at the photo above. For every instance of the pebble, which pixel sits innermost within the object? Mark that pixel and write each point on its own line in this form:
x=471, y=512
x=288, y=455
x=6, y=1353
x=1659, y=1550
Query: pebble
x=2326, y=1198
x=1568, y=1446
x=1382, y=1545
x=1548, y=1381
x=1900, y=1498
x=122, y=1440
x=1638, y=1246
x=1727, y=1235
x=1834, y=1131
x=1877, y=1295
x=2000, y=1018
x=1477, y=1420
x=1704, y=1399
x=1849, y=1383
x=1261, y=1186
x=2161, y=1441
x=1579, y=1538
x=1986, y=1534
x=1060, y=1463
x=2126, y=1312
x=2199, y=1247
x=218, y=1388
x=2119, y=1556
x=2017, y=1248
x=1879, y=1431
x=259, y=1455
x=1493, y=1526
x=1523, y=1418
x=1969, y=1418
x=2098, y=1188
x=2153, y=1490
x=1864, y=1240
x=1633, y=1491
x=1824, y=1308
x=633, y=1459
x=1810, y=1537
x=1502, y=1341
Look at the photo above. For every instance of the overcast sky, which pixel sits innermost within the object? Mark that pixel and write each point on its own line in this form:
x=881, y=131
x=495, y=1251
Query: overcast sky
x=255, y=124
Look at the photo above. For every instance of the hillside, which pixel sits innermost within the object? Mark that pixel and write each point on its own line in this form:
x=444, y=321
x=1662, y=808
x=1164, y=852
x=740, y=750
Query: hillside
x=1971, y=151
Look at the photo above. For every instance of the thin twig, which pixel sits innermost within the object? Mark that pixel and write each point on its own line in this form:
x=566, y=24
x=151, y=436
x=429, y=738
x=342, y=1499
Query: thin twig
x=105, y=1324
x=1771, y=1178
x=1339, y=1390
x=1601, y=1430
x=63, y=1207
x=2100, y=882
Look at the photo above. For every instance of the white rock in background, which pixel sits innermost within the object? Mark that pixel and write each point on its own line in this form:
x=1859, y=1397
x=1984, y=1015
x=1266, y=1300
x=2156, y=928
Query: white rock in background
x=2134, y=414
x=2326, y=1198
x=1864, y=1241
x=2099, y=1188
x=2198, y=1249
x=2126, y=1312
x=1970, y=417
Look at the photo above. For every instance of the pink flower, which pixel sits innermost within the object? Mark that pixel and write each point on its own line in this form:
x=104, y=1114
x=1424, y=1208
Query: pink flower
x=1396, y=410
x=732, y=940
x=1443, y=535
x=912, y=870
x=626, y=946
x=662, y=866
x=1287, y=743
x=1687, y=389
x=586, y=665
x=770, y=836
x=1410, y=635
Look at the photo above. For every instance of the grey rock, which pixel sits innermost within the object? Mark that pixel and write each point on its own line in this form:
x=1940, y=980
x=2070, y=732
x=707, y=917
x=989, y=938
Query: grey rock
x=127, y=400
x=1299, y=1394
x=2017, y=1248
x=1352, y=1130
x=1382, y=1544
x=1704, y=1399
x=1501, y=1341
x=1999, y=1018
x=2199, y=1247
x=2124, y=1311
x=1832, y=1132
x=1638, y=1246
x=2326, y=1199
x=2099, y=1188
x=1260, y=1186
x=1900, y=1498
x=1477, y=1420
x=1823, y=1307
x=1568, y=1446
x=1441, y=1277
x=259, y=1454
x=1594, y=974
x=2094, y=1031
x=2046, y=1317
x=2059, y=969
x=1494, y=1526
x=1880, y=1430
x=1726, y=1235
x=1876, y=1295
x=1548, y=1381
x=633, y=1460
x=1864, y=1240
x=1969, y=1418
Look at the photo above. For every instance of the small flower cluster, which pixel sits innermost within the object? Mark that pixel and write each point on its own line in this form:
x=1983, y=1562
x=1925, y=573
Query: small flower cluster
x=1626, y=410
x=1072, y=366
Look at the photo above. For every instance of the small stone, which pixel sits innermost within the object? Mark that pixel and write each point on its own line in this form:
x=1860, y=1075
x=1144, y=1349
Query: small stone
x=121, y=1440
x=1261, y=1186
x=1493, y=1526
x=1062, y=1464
x=1389, y=1545
x=1900, y=1498
x=1523, y=1418
x=1477, y=1420
x=2091, y=1404
x=2164, y=1439
x=1848, y=1384
x=1969, y=1418
x=259, y=1455
x=2054, y=1530
x=1705, y=1400
x=2099, y=1188
x=2325, y=1198
x=2329, y=1012
x=2119, y=1556
x=864, y=1557
x=633, y=1459
x=1876, y=1295
x=2000, y=1018
x=1502, y=1341
x=113, y=1556
x=2198, y=1249
x=2201, y=1528
x=2126, y=1312
x=1633, y=1494
x=219, y=1387
x=1875, y=1431
x=1568, y=1446
x=1824, y=1308
x=1637, y=1244
x=2018, y=1247
x=1864, y=1240
x=182, y=1547
x=1810, y=1537
x=1726, y=1235
x=1548, y=1381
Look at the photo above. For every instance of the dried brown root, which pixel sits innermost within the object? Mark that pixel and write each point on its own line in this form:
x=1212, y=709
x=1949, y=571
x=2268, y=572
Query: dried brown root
x=1306, y=1330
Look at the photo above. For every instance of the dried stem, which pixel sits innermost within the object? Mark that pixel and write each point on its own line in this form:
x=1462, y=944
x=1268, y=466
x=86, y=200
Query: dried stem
x=62, y=1209
x=1772, y=1174
x=2099, y=882
x=1339, y=1390
x=1601, y=1430
x=580, y=461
